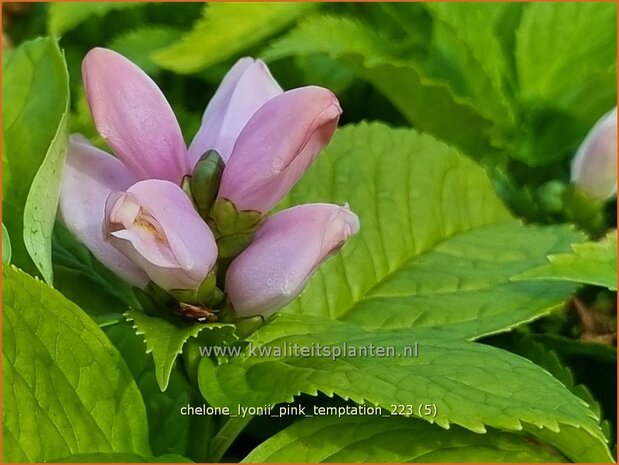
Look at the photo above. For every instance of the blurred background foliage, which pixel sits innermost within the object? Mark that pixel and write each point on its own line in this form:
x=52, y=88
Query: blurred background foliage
x=515, y=86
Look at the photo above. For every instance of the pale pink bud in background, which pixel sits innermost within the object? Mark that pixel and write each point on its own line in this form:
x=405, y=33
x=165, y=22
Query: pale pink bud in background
x=284, y=253
x=244, y=89
x=277, y=145
x=133, y=117
x=155, y=224
x=594, y=167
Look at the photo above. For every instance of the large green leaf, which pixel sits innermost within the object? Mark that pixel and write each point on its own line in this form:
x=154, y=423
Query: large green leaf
x=65, y=16
x=465, y=383
x=170, y=432
x=34, y=118
x=374, y=439
x=214, y=39
x=589, y=262
x=165, y=340
x=468, y=54
x=567, y=74
x=427, y=102
x=436, y=246
x=66, y=390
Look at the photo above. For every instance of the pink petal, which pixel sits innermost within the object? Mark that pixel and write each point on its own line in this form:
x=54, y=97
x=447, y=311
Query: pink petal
x=133, y=117
x=277, y=145
x=164, y=235
x=89, y=176
x=246, y=87
x=284, y=253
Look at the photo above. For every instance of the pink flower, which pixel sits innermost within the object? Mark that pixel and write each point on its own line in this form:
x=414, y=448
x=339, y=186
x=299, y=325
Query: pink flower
x=130, y=211
x=594, y=167
x=277, y=145
x=284, y=253
x=155, y=225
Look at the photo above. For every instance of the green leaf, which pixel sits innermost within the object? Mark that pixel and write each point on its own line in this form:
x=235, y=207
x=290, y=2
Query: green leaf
x=121, y=458
x=169, y=431
x=572, y=440
x=35, y=112
x=421, y=98
x=137, y=45
x=165, y=340
x=436, y=246
x=66, y=390
x=556, y=51
x=467, y=384
x=42, y=202
x=213, y=40
x=588, y=263
x=63, y=17
x=374, y=439
x=6, y=245
x=467, y=53
x=567, y=75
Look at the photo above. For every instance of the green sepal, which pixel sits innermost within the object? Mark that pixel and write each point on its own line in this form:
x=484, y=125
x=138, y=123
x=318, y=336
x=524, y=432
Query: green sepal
x=233, y=229
x=204, y=183
x=229, y=221
x=206, y=294
x=192, y=358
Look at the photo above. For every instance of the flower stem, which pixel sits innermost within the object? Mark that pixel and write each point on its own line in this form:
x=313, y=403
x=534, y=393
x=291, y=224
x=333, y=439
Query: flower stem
x=226, y=436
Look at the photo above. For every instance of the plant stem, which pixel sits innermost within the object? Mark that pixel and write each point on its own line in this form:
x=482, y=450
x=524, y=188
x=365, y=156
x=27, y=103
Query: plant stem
x=226, y=436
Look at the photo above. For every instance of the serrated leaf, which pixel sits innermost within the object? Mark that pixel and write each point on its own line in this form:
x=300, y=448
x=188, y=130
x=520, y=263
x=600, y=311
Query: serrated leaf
x=422, y=99
x=6, y=245
x=66, y=390
x=470, y=385
x=436, y=246
x=570, y=439
x=35, y=112
x=165, y=340
x=225, y=30
x=589, y=263
x=373, y=439
x=169, y=432
x=137, y=45
x=63, y=17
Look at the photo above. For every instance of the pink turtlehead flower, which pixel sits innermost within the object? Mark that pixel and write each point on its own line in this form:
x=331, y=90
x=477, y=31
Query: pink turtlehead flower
x=135, y=235
x=594, y=167
x=143, y=223
x=284, y=253
x=270, y=154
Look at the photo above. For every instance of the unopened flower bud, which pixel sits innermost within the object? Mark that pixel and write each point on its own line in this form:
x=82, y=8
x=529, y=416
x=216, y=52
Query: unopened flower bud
x=594, y=168
x=204, y=182
x=283, y=254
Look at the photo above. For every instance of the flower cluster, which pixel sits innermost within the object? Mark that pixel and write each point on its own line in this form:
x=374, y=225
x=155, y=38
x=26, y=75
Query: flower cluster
x=195, y=220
